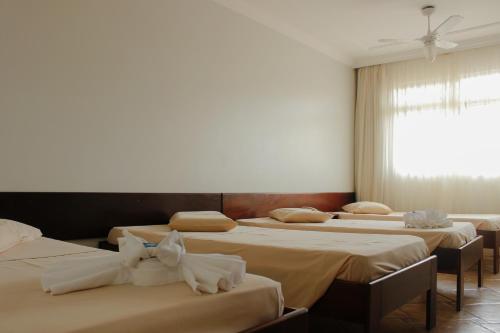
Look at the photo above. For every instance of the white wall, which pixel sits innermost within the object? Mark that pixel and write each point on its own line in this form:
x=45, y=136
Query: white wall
x=166, y=96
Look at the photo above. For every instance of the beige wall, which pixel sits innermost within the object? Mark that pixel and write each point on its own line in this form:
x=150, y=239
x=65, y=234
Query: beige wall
x=166, y=96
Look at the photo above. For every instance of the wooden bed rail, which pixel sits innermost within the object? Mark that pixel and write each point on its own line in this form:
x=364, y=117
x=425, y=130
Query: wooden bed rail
x=367, y=303
x=250, y=205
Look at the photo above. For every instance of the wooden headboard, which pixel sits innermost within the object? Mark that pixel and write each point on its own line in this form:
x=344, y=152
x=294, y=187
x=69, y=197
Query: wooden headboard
x=250, y=205
x=65, y=216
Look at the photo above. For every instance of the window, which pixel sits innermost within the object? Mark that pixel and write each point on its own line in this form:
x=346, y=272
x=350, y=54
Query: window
x=450, y=129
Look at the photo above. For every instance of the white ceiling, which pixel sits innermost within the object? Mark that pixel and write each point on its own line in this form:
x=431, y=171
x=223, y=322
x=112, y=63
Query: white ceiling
x=347, y=29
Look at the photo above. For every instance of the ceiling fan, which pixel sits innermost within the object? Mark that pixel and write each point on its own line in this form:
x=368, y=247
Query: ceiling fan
x=432, y=40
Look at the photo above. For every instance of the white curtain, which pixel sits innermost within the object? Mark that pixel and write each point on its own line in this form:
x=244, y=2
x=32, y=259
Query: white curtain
x=428, y=134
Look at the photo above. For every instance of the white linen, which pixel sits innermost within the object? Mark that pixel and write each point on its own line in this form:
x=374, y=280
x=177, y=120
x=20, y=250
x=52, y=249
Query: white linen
x=13, y=233
x=426, y=134
x=83, y=273
x=136, y=264
x=427, y=219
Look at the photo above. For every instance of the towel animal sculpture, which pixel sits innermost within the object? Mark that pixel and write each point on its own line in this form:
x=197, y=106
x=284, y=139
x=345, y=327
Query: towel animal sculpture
x=145, y=264
x=427, y=219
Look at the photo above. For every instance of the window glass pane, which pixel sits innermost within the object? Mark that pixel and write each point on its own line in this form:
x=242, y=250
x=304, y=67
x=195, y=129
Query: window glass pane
x=432, y=141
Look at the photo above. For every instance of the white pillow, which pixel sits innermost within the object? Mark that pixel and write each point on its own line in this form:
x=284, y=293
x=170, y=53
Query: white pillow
x=300, y=215
x=367, y=207
x=13, y=233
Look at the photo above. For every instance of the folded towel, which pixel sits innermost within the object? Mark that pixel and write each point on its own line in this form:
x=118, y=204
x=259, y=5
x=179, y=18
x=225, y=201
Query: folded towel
x=427, y=219
x=84, y=273
x=144, y=264
x=202, y=272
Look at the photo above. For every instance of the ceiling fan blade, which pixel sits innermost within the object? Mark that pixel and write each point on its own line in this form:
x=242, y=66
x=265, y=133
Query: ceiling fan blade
x=445, y=44
x=394, y=43
x=395, y=40
x=448, y=24
x=477, y=27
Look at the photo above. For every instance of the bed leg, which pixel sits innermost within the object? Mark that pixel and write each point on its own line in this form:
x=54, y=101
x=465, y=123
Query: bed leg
x=430, y=309
x=480, y=268
x=430, y=300
x=460, y=290
x=372, y=325
x=496, y=263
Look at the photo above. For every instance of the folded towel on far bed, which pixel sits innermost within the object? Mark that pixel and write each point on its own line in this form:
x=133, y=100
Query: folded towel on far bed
x=144, y=264
x=427, y=219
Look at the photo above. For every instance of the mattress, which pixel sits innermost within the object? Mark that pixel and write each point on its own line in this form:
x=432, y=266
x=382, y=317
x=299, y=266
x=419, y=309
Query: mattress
x=453, y=237
x=480, y=221
x=305, y=262
x=45, y=248
x=168, y=308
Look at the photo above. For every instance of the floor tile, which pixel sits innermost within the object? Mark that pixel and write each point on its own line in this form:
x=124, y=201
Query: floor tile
x=493, y=327
x=481, y=312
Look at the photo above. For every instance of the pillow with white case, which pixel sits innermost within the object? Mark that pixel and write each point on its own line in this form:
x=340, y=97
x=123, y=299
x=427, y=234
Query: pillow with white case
x=13, y=233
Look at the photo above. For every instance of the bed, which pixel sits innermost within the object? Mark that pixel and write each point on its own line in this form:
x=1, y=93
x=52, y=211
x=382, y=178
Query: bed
x=77, y=215
x=172, y=307
x=254, y=205
x=487, y=225
x=347, y=276
x=453, y=237
x=457, y=247
x=68, y=216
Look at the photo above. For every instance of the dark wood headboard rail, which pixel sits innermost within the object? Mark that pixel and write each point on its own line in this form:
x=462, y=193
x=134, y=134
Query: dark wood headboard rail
x=250, y=205
x=65, y=216
x=74, y=215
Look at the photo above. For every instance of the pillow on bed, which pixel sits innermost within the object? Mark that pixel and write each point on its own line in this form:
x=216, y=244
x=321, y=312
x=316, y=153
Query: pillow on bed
x=201, y=221
x=367, y=207
x=300, y=215
x=13, y=233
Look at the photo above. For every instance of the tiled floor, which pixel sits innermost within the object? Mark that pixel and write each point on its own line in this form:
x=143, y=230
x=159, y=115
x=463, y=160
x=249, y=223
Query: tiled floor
x=481, y=312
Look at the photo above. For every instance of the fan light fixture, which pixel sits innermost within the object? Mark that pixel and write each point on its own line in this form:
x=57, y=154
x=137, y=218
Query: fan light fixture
x=432, y=39
x=430, y=51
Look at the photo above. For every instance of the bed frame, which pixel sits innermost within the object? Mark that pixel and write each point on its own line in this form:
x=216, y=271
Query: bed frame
x=67, y=216
x=458, y=261
x=368, y=303
x=292, y=321
x=491, y=240
x=90, y=215
x=450, y=261
x=250, y=205
x=364, y=303
x=70, y=215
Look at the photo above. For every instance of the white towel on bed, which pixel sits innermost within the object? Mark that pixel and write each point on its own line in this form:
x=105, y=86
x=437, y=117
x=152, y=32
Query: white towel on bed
x=165, y=263
x=427, y=219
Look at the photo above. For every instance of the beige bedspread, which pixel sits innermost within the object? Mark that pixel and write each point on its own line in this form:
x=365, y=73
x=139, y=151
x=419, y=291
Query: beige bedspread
x=305, y=262
x=480, y=221
x=453, y=237
x=24, y=307
x=45, y=247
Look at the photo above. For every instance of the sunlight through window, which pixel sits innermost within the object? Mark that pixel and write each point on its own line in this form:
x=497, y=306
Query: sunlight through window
x=448, y=130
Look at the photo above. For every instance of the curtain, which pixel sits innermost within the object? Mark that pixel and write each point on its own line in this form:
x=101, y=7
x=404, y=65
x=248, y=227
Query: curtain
x=427, y=135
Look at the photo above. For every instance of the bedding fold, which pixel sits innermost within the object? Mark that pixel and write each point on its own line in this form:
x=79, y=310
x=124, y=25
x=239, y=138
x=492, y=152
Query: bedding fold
x=142, y=264
x=426, y=219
